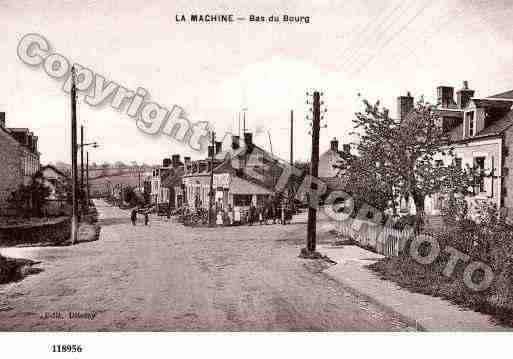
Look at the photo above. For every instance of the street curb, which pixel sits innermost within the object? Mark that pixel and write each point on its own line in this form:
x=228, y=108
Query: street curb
x=410, y=321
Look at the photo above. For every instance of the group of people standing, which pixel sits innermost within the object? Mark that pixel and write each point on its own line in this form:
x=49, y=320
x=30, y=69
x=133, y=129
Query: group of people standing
x=263, y=214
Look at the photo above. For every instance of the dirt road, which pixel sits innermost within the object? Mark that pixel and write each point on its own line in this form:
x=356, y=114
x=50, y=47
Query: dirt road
x=169, y=277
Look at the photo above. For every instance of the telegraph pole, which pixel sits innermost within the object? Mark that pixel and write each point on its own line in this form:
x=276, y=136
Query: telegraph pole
x=244, y=121
x=290, y=193
x=74, y=169
x=314, y=171
x=87, y=180
x=81, y=192
x=211, y=193
x=291, y=137
x=139, y=174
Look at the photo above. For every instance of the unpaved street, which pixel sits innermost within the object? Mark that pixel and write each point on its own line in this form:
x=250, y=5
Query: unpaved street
x=169, y=277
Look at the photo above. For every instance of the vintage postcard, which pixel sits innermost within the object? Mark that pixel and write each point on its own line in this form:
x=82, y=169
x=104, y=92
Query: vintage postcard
x=256, y=166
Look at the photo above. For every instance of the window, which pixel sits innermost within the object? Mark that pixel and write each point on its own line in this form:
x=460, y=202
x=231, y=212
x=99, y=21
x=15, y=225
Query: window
x=479, y=164
x=439, y=163
x=469, y=116
x=241, y=200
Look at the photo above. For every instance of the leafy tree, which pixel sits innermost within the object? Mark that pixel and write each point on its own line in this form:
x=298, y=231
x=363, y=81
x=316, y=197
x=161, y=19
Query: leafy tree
x=396, y=158
x=29, y=199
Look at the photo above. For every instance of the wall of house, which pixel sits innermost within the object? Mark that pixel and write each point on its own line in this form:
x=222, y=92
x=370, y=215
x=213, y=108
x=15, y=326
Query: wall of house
x=491, y=150
x=197, y=185
x=326, y=162
x=11, y=175
x=507, y=173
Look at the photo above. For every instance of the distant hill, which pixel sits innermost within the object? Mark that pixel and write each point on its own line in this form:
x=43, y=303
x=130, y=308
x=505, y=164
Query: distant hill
x=101, y=184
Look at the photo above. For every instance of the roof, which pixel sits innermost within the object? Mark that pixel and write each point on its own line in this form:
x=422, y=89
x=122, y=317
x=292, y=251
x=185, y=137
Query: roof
x=495, y=129
x=241, y=186
x=492, y=102
x=55, y=169
x=499, y=126
x=504, y=95
x=175, y=179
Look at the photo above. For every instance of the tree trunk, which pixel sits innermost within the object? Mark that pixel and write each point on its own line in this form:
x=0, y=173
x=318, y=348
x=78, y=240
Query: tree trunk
x=418, y=199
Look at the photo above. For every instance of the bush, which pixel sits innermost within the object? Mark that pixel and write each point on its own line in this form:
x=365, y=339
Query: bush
x=405, y=221
x=492, y=247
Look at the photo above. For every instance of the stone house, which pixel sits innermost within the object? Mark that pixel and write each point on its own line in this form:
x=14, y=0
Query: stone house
x=160, y=194
x=481, y=134
x=19, y=158
x=242, y=176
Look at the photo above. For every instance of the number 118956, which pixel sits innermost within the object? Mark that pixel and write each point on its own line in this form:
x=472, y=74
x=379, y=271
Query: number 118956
x=69, y=348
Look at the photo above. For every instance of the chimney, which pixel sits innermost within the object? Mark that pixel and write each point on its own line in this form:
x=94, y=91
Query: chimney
x=445, y=96
x=464, y=95
x=248, y=139
x=404, y=105
x=30, y=143
x=346, y=147
x=235, y=142
x=166, y=162
x=210, y=151
x=219, y=146
x=34, y=144
x=334, y=144
x=175, y=160
x=2, y=119
x=186, y=162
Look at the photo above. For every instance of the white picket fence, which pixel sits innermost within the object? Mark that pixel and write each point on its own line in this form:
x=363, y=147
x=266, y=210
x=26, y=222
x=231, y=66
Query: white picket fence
x=384, y=240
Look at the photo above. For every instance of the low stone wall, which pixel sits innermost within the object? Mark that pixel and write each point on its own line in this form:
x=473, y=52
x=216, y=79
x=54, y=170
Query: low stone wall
x=54, y=232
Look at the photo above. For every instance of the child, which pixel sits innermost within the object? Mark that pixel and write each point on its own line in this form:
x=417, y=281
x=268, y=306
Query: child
x=133, y=216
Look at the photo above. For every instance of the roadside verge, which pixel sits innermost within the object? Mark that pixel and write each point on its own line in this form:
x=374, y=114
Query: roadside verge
x=419, y=310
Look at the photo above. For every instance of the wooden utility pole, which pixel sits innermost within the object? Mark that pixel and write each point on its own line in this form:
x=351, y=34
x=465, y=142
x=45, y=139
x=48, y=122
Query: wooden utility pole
x=290, y=194
x=139, y=174
x=211, y=193
x=244, y=121
x=291, y=137
x=74, y=169
x=81, y=192
x=87, y=179
x=314, y=171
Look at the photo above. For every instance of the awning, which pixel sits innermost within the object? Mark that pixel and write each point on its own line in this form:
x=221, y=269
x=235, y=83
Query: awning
x=240, y=186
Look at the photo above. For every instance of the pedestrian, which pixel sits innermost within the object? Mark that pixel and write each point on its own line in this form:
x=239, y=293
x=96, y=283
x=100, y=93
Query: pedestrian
x=219, y=218
x=261, y=214
x=251, y=215
x=146, y=218
x=133, y=216
x=237, y=217
x=230, y=215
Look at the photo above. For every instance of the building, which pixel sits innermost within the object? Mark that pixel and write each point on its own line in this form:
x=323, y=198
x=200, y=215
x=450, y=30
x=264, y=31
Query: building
x=160, y=194
x=54, y=179
x=481, y=134
x=242, y=176
x=330, y=158
x=19, y=157
x=329, y=173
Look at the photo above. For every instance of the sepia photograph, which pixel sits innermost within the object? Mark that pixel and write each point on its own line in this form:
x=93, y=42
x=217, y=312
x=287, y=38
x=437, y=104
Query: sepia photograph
x=265, y=166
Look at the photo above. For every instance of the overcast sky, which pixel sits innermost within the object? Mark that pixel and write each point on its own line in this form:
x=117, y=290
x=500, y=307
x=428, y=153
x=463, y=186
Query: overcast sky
x=380, y=49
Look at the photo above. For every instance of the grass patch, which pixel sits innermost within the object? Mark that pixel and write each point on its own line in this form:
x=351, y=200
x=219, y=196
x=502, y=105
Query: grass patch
x=15, y=269
x=496, y=301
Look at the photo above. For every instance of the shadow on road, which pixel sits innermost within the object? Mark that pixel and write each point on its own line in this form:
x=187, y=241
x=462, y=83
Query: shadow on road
x=113, y=221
